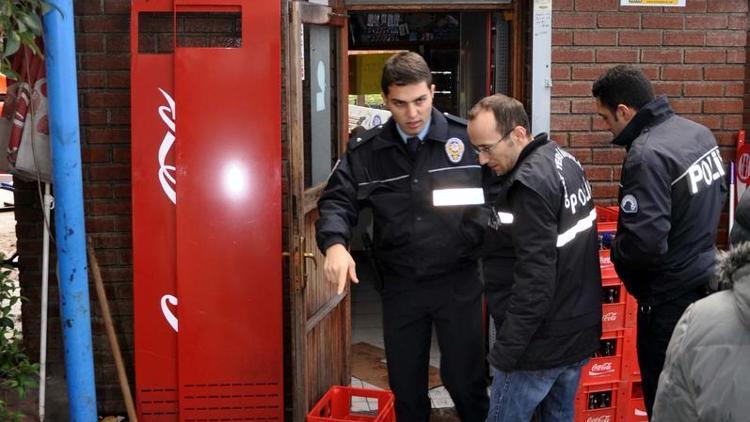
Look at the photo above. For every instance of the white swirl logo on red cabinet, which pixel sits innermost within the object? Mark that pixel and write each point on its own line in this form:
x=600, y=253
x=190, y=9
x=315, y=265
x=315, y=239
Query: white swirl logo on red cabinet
x=168, y=314
x=609, y=317
x=166, y=171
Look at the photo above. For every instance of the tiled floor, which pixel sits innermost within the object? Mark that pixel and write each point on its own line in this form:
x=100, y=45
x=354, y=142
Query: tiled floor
x=367, y=326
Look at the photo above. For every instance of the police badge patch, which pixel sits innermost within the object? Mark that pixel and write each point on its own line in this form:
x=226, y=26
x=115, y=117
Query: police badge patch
x=454, y=149
x=629, y=204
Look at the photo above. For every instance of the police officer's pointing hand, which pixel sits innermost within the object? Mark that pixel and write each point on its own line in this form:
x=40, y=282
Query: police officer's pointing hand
x=339, y=266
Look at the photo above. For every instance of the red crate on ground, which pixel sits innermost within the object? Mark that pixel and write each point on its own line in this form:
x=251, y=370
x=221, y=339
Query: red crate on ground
x=606, y=365
x=336, y=406
x=597, y=402
x=631, y=311
x=614, y=301
x=606, y=219
x=604, y=259
x=631, y=407
x=630, y=369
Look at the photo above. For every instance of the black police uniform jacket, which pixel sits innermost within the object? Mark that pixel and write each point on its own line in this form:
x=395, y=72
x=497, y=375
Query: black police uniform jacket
x=411, y=237
x=548, y=314
x=671, y=194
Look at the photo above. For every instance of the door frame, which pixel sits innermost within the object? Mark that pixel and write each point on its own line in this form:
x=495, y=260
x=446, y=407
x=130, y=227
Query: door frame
x=301, y=201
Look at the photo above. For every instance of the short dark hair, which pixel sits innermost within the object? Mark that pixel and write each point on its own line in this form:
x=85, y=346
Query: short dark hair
x=508, y=112
x=623, y=84
x=405, y=68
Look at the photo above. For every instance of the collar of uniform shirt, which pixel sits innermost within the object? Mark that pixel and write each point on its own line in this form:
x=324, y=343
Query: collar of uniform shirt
x=420, y=135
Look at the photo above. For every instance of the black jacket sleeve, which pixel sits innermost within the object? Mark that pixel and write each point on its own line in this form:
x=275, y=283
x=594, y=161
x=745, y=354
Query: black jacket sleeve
x=338, y=207
x=644, y=223
x=534, y=233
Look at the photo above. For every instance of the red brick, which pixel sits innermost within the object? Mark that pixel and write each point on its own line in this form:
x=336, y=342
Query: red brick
x=736, y=55
x=119, y=79
x=107, y=208
x=571, y=89
x=704, y=89
x=737, y=22
x=640, y=38
x=684, y=38
x=111, y=240
x=96, y=154
x=103, y=23
x=599, y=125
x=672, y=89
x=681, y=73
x=619, y=20
x=728, y=139
x=616, y=55
x=706, y=22
x=730, y=105
x=118, y=43
x=117, y=6
x=604, y=190
x=92, y=79
x=560, y=138
x=560, y=72
x=121, y=155
x=732, y=122
x=560, y=106
x=596, y=5
x=685, y=105
x=107, y=135
x=90, y=43
x=599, y=173
x=595, y=38
x=109, y=172
x=562, y=38
x=705, y=56
x=92, y=117
x=725, y=73
x=570, y=123
x=583, y=155
x=726, y=38
x=106, y=99
x=120, y=117
x=99, y=225
x=90, y=7
x=573, y=20
x=734, y=89
x=572, y=55
x=587, y=106
x=589, y=73
x=97, y=191
x=105, y=62
x=710, y=121
x=661, y=55
x=590, y=139
x=562, y=5
x=659, y=21
x=732, y=6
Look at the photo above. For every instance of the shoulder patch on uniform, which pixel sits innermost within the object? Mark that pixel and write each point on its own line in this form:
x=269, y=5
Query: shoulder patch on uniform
x=362, y=138
x=456, y=119
x=629, y=205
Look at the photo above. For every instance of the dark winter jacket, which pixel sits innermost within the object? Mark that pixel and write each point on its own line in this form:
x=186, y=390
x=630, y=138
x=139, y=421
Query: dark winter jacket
x=706, y=375
x=671, y=196
x=547, y=310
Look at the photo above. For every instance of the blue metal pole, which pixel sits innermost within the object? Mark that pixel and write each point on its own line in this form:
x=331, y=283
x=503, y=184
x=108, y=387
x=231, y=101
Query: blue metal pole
x=70, y=228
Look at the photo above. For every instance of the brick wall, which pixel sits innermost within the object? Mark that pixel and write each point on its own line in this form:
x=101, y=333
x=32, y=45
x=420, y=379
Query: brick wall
x=696, y=55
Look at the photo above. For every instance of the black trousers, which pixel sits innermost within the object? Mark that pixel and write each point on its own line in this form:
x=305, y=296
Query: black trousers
x=452, y=303
x=655, y=326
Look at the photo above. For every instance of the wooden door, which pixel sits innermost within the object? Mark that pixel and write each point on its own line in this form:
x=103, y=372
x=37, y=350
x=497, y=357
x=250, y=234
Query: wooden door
x=317, y=83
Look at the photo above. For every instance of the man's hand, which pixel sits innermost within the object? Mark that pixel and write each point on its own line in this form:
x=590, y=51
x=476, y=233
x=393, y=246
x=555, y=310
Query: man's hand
x=339, y=265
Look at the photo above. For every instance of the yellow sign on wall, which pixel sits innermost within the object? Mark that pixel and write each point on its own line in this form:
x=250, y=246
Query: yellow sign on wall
x=365, y=70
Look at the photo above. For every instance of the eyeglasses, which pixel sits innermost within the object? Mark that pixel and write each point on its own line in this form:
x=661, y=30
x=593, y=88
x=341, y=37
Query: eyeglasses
x=487, y=148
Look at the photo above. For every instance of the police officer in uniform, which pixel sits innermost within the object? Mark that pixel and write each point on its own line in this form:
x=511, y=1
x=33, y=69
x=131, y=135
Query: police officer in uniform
x=548, y=313
x=671, y=195
x=415, y=172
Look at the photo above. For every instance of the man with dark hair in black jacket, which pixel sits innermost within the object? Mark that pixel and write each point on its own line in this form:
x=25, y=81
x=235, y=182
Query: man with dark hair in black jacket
x=671, y=196
x=548, y=312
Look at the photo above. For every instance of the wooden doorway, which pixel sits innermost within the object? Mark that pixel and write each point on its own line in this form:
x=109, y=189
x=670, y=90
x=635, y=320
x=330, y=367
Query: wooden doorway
x=316, y=81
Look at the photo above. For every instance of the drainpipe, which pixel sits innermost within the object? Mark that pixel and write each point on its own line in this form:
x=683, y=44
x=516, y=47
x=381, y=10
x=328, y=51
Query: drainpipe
x=70, y=230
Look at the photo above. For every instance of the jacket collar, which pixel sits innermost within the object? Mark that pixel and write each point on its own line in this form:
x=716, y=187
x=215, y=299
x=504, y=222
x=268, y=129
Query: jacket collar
x=389, y=136
x=539, y=140
x=733, y=272
x=651, y=114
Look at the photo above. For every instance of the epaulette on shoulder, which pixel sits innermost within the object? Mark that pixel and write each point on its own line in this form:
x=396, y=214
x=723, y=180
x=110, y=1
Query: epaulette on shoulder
x=456, y=119
x=364, y=137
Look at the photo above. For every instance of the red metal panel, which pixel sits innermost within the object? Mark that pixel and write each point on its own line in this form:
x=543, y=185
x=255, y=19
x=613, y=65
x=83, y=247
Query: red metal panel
x=154, y=258
x=230, y=359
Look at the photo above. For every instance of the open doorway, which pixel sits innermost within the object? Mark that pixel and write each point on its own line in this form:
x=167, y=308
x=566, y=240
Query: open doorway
x=472, y=53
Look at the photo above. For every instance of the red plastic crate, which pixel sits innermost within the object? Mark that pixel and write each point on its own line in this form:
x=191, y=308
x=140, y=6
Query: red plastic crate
x=585, y=412
x=606, y=218
x=614, y=315
x=630, y=369
x=605, y=368
x=631, y=312
x=632, y=407
x=336, y=405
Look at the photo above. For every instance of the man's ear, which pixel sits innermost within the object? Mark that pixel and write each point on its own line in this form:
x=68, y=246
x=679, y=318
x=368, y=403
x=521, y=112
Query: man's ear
x=625, y=112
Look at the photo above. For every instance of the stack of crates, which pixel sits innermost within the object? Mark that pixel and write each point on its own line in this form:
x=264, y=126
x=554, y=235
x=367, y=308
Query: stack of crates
x=610, y=387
